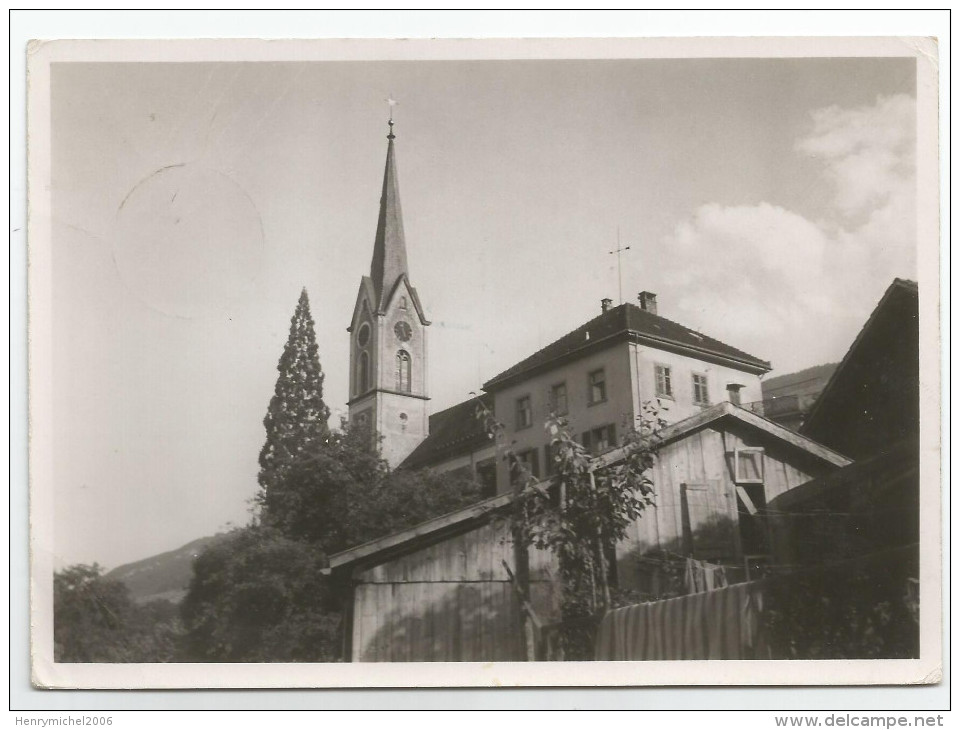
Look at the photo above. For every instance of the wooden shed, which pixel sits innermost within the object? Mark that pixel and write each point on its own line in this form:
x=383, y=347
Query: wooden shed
x=714, y=475
x=442, y=591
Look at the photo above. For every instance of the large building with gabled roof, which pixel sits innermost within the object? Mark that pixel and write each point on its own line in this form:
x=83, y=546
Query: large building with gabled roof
x=598, y=377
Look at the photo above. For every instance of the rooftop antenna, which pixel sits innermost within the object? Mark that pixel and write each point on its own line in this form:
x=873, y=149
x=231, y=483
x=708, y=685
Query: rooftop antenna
x=619, y=250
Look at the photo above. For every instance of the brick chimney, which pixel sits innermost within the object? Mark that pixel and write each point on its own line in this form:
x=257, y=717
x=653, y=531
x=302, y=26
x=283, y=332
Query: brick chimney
x=648, y=301
x=733, y=392
x=605, y=304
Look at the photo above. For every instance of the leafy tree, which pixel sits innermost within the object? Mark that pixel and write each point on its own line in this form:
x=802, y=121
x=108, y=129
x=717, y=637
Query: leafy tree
x=95, y=620
x=260, y=597
x=296, y=421
x=343, y=494
x=584, y=511
x=403, y=499
x=318, y=491
x=159, y=623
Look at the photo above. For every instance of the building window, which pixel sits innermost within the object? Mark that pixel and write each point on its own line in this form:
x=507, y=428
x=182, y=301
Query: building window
x=599, y=440
x=597, y=387
x=363, y=374
x=526, y=465
x=664, y=384
x=700, y=395
x=524, y=412
x=487, y=476
x=403, y=302
x=403, y=371
x=558, y=399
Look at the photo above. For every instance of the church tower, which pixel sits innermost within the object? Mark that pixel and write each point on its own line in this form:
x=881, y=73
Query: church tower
x=388, y=336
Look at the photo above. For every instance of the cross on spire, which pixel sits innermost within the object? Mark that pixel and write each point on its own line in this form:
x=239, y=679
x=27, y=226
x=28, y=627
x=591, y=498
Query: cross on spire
x=392, y=103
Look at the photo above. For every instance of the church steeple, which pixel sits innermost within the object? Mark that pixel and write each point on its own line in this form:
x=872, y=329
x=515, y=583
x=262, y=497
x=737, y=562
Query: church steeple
x=388, y=336
x=389, y=247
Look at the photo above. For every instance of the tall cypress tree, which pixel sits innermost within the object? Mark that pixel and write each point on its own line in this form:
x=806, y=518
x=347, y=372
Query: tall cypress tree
x=296, y=421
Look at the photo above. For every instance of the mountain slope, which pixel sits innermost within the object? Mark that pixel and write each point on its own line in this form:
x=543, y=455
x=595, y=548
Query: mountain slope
x=164, y=576
x=809, y=381
x=787, y=399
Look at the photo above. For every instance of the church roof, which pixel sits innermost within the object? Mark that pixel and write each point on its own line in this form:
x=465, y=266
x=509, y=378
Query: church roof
x=631, y=322
x=454, y=431
x=389, y=247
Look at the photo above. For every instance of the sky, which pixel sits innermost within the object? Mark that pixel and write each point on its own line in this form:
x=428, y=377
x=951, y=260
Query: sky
x=768, y=203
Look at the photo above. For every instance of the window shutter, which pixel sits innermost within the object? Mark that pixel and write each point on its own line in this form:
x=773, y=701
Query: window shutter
x=708, y=532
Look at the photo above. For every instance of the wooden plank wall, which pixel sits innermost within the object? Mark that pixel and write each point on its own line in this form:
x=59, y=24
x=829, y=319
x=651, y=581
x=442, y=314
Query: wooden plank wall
x=451, y=601
x=783, y=467
x=704, y=459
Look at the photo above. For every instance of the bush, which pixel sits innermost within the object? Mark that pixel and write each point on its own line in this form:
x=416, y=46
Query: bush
x=95, y=620
x=260, y=597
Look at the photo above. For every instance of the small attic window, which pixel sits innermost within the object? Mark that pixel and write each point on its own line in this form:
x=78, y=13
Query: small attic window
x=748, y=465
x=403, y=302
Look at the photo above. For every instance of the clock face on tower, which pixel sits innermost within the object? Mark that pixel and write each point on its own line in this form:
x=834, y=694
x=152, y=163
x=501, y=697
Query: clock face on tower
x=402, y=331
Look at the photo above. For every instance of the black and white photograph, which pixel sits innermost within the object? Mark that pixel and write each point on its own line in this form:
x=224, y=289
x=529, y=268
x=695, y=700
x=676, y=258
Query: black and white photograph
x=638, y=385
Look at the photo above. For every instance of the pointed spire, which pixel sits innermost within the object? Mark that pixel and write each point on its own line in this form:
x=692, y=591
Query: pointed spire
x=389, y=248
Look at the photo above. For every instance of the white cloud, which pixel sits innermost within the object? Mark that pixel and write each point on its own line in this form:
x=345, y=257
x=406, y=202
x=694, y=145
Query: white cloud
x=785, y=288
x=868, y=152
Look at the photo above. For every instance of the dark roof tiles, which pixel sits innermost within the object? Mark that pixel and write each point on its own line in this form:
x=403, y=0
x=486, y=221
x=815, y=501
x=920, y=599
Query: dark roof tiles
x=453, y=431
x=624, y=320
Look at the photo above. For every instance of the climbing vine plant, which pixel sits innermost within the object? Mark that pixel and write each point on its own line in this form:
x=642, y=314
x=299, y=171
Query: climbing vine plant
x=586, y=506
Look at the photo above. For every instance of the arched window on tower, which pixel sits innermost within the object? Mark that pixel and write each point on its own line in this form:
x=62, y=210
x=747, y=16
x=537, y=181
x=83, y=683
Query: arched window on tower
x=363, y=373
x=403, y=371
